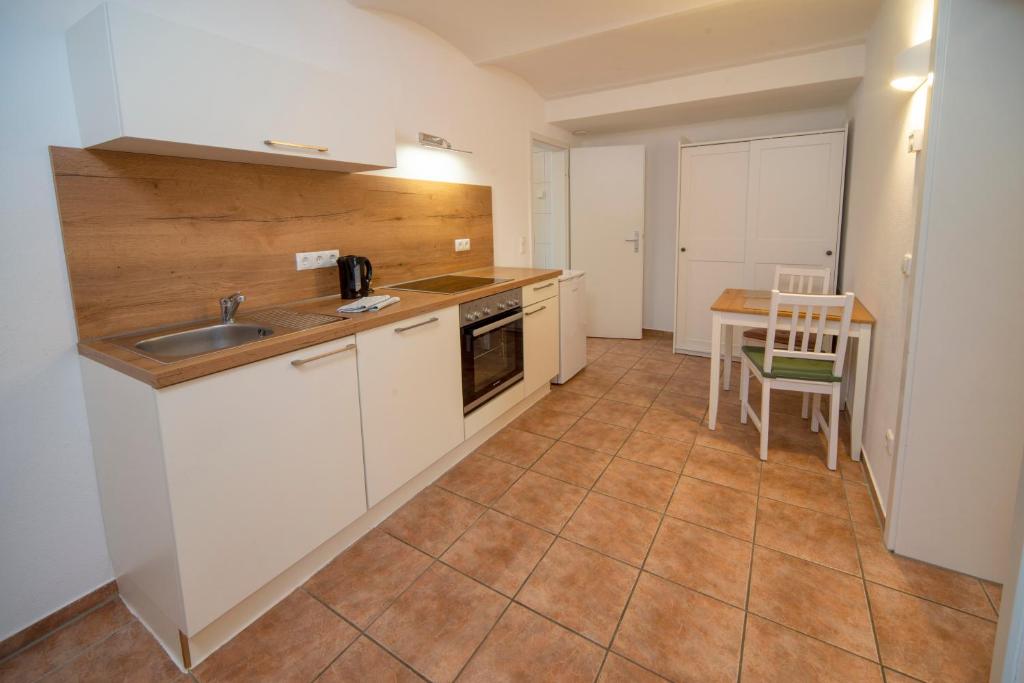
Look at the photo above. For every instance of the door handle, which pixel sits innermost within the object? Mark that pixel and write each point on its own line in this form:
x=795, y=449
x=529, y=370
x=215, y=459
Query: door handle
x=828, y=253
x=635, y=241
x=299, y=362
x=399, y=330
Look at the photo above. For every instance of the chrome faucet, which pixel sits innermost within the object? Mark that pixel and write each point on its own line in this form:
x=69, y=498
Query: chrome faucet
x=228, y=306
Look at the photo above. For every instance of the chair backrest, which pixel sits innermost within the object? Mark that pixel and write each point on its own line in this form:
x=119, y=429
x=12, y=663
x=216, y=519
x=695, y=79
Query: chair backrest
x=793, y=280
x=807, y=315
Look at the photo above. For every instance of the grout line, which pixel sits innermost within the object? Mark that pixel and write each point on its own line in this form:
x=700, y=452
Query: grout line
x=750, y=576
x=58, y=629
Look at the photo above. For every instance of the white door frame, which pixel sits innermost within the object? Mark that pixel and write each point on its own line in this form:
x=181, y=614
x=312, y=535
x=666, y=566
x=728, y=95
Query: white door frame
x=535, y=137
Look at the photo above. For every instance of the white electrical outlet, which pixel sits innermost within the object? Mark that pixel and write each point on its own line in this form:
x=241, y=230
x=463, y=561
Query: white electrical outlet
x=462, y=244
x=308, y=260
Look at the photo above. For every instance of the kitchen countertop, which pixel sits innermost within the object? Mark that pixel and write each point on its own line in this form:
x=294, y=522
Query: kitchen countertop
x=121, y=358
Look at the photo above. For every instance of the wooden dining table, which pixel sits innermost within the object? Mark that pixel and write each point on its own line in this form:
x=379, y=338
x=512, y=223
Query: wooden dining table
x=736, y=309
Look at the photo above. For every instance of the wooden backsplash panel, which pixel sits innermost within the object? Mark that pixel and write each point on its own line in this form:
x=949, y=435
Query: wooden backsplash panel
x=155, y=240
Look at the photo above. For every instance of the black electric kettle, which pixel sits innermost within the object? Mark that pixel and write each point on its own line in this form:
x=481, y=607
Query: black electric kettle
x=355, y=272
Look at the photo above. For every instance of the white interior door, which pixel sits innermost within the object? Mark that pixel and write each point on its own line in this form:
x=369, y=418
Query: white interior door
x=606, y=236
x=713, y=184
x=795, y=196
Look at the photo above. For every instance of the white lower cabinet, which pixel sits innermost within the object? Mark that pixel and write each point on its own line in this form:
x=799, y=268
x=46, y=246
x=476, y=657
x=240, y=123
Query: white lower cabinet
x=410, y=382
x=540, y=343
x=226, y=480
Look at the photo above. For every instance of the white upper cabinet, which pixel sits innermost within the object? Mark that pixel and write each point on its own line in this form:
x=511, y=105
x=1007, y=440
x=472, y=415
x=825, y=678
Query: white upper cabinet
x=410, y=387
x=144, y=84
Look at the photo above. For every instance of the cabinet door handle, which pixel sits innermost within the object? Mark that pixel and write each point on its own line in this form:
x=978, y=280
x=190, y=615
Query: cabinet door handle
x=299, y=362
x=399, y=330
x=550, y=284
x=294, y=145
x=537, y=310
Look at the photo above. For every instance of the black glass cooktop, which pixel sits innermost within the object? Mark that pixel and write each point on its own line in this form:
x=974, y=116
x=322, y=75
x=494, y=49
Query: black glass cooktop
x=448, y=284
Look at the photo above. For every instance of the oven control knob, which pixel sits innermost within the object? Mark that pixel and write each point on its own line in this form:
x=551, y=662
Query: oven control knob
x=512, y=302
x=469, y=316
x=501, y=307
x=487, y=311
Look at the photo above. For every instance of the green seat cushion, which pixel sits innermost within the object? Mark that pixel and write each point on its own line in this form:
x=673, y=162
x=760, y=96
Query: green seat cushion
x=792, y=368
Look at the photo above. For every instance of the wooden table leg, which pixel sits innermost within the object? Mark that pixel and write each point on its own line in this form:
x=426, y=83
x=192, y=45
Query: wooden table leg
x=860, y=390
x=716, y=362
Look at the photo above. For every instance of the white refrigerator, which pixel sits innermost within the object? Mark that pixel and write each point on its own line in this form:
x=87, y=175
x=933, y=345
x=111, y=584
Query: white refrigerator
x=572, y=325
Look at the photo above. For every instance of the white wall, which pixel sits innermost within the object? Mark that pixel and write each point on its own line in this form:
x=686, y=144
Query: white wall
x=50, y=527
x=662, y=189
x=880, y=215
x=963, y=433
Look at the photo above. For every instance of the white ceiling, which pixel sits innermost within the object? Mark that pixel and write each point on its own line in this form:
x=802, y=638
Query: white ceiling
x=565, y=47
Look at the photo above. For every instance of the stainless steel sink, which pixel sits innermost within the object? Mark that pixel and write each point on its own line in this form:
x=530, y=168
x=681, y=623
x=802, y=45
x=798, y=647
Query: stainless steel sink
x=172, y=347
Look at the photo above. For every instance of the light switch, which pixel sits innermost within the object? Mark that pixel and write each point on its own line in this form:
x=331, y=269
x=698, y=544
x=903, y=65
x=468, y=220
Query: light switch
x=907, y=264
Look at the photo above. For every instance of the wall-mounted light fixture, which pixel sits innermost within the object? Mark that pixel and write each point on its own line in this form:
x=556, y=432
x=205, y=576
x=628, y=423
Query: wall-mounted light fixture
x=438, y=142
x=911, y=68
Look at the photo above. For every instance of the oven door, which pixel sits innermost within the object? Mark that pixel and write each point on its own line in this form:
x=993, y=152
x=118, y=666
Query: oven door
x=492, y=357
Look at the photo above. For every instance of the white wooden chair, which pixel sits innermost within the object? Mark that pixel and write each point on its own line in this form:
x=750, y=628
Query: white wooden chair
x=792, y=280
x=800, y=365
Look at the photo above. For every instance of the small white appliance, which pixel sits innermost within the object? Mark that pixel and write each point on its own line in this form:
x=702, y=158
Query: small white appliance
x=572, y=325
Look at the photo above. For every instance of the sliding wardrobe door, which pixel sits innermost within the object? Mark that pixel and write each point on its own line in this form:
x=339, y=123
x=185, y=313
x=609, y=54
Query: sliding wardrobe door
x=795, y=199
x=711, y=252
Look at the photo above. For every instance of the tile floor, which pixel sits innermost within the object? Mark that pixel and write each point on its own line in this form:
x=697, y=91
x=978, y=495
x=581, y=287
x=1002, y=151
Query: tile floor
x=608, y=535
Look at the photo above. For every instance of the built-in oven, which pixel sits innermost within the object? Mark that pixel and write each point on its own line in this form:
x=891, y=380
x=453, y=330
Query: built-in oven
x=492, y=347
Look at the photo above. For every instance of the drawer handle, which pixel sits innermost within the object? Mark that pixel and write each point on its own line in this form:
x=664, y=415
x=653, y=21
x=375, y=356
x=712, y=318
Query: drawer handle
x=299, y=362
x=550, y=284
x=399, y=330
x=537, y=310
x=294, y=145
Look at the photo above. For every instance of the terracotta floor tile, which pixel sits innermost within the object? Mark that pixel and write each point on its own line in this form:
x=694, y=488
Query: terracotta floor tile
x=574, y=464
x=775, y=653
x=604, y=372
x=650, y=449
x=544, y=421
x=55, y=620
x=541, y=501
x=633, y=482
x=798, y=487
x=618, y=669
x=366, y=661
x=526, y=647
x=707, y=561
x=437, y=624
x=657, y=366
x=580, y=589
x=589, y=385
x=618, y=360
x=632, y=394
x=668, y=424
x=613, y=527
x=597, y=436
x=929, y=641
x=690, y=407
x=801, y=454
x=516, y=446
x=294, y=641
x=665, y=354
x=862, y=507
x=820, y=602
x=637, y=347
x=740, y=472
x=679, y=633
x=361, y=582
x=479, y=478
x=648, y=380
x=852, y=471
x=567, y=402
x=432, y=520
x=499, y=551
x=731, y=439
x=896, y=677
x=131, y=654
x=687, y=386
x=715, y=506
x=807, y=534
x=66, y=643
x=616, y=413
x=924, y=580
x=994, y=592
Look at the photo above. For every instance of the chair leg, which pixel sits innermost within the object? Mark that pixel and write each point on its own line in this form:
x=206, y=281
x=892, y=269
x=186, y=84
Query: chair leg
x=744, y=389
x=805, y=405
x=766, y=393
x=815, y=409
x=833, y=428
